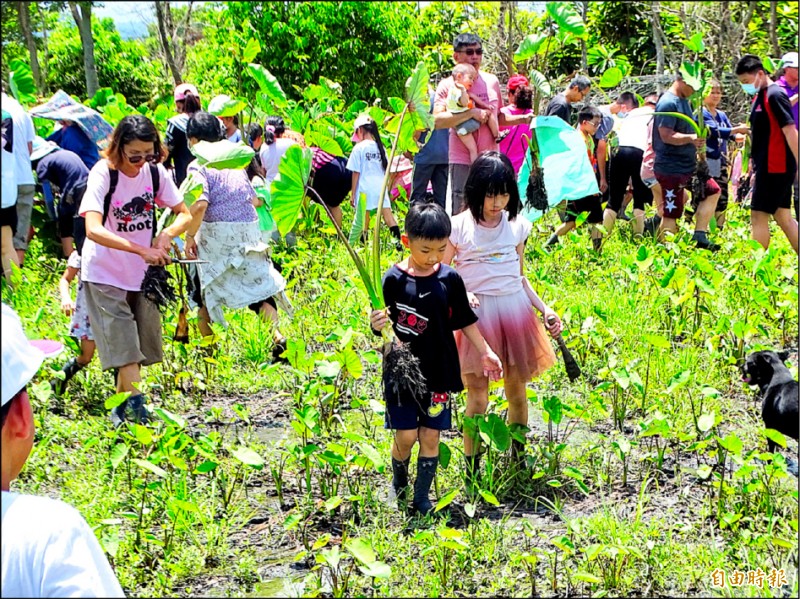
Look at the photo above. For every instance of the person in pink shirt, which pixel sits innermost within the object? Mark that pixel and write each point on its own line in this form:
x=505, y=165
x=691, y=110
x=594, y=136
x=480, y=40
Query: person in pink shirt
x=520, y=102
x=468, y=48
x=120, y=244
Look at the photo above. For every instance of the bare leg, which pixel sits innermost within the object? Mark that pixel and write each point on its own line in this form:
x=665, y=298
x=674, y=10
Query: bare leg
x=609, y=218
x=667, y=225
x=783, y=216
x=428, y=442
x=565, y=228
x=638, y=221
x=87, y=352
x=204, y=322
x=517, y=398
x=336, y=213
x=759, y=227
x=403, y=443
x=127, y=376
x=8, y=252
x=477, y=402
x=270, y=314
x=705, y=210
x=720, y=216
x=388, y=217
x=472, y=146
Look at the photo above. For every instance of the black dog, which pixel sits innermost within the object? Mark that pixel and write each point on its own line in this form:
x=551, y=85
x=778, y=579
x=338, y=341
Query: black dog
x=778, y=390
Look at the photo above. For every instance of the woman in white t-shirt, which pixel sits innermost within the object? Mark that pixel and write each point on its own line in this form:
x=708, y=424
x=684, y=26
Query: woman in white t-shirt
x=274, y=147
x=368, y=164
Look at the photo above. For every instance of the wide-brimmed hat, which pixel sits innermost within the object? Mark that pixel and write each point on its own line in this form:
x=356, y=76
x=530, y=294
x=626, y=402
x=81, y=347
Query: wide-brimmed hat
x=41, y=148
x=22, y=358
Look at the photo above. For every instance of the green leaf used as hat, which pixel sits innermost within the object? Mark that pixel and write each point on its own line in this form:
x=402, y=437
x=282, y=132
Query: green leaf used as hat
x=222, y=154
x=692, y=74
x=224, y=105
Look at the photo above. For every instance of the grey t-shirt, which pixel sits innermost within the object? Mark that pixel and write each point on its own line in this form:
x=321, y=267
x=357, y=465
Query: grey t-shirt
x=673, y=160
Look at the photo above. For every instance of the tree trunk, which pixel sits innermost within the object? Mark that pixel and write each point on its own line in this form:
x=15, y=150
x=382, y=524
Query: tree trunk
x=45, y=87
x=773, y=29
x=23, y=10
x=584, y=59
x=164, y=18
x=82, y=13
x=655, y=20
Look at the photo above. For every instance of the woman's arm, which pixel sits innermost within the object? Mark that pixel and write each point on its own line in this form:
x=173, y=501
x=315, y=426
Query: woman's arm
x=197, y=211
x=67, y=305
x=183, y=220
x=102, y=236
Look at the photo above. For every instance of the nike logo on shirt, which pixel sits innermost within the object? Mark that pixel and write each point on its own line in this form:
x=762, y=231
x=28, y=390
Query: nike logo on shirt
x=421, y=295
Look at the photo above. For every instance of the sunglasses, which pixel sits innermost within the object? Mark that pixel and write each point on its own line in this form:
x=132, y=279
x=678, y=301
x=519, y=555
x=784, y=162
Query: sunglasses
x=472, y=51
x=152, y=158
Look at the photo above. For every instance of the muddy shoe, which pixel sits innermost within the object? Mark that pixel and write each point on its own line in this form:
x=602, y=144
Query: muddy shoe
x=137, y=411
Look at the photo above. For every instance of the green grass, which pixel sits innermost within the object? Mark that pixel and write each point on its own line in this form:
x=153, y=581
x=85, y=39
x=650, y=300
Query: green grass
x=651, y=473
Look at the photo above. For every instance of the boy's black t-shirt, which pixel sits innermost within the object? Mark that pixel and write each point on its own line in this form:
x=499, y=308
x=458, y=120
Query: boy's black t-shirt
x=771, y=112
x=424, y=312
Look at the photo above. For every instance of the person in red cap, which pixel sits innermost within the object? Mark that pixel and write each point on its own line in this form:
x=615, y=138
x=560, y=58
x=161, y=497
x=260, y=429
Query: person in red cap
x=520, y=102
x=187, y=102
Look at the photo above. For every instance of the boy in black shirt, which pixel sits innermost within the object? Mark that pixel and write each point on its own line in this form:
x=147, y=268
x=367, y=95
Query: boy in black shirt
x=426, y=301
x=774, y=152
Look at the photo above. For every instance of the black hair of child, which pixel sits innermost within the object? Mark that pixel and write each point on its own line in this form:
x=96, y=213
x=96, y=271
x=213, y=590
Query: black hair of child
x=749, y=64
x=253, y=131
x=277, y=126
x=372, y=128
x=427, y=221
x=203, y=126
x=589, y=113
x=491, y=174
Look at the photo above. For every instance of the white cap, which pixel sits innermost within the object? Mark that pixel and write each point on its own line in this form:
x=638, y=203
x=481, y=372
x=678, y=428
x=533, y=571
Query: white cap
x=41, y=148
x=363, y=119
x=789, y=59
x=21, y=358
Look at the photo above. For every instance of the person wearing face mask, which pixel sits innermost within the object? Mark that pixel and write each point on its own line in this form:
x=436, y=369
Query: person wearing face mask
x=788, y=81
x=774, y=152
x=676, y=146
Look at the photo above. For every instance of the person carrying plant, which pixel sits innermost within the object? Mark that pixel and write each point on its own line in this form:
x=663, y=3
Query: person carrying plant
x=368, y=163
x=225, y=232
x=589, y=120
x=487, y=245
x=119, y=207
x=720, y=130
x=676, y=144
x=774, y=152
x=48, y=548
x=426, y=301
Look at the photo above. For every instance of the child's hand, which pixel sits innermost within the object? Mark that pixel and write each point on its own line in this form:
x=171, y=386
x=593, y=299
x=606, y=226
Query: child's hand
x=552, y=322
x=474, y=302
x=378, y=319
x=67, y=306
x=492, y=367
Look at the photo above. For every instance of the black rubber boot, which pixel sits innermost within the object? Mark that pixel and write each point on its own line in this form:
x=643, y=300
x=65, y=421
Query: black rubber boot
x=426, y=470
x=597, y=244
x=701, y=240
x=395, y=231
x=70, y=369
x=400, y=481
x=553, y=240
x=651, y=225
x=118, y=414
x=138, y=413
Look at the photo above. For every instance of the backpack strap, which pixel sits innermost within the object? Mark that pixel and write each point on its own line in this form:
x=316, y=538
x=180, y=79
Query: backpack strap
x=156, y=179
x=113, y=179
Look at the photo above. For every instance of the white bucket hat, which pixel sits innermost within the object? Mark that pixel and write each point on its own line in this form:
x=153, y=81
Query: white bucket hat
x=21, y=358
x=41, y=148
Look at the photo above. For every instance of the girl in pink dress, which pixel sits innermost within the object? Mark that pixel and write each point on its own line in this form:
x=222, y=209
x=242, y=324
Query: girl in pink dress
x=487, y=244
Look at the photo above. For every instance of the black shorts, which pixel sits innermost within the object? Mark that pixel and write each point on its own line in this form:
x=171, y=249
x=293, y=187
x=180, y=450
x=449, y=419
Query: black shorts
x=8, y=216
x=772, y=191
x=428, y=411
x=590, y=204
x=626, y=165
x=333, y=181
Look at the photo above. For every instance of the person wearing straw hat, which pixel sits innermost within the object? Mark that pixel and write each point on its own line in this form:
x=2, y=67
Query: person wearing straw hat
x=48, y=549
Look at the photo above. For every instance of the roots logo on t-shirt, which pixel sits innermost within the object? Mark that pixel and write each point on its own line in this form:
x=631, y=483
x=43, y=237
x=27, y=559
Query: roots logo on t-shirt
x=136, y=215
x=410, y=321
